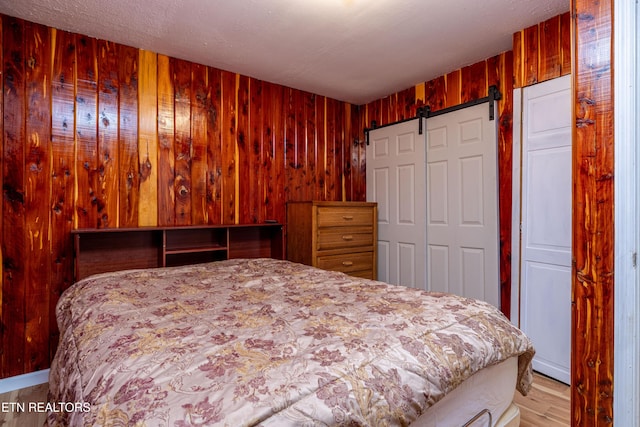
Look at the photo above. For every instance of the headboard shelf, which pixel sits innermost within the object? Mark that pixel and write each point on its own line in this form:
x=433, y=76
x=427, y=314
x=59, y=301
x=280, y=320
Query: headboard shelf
x=113, y=249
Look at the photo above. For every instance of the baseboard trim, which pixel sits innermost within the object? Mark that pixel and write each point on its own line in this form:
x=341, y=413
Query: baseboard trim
x=23, y=381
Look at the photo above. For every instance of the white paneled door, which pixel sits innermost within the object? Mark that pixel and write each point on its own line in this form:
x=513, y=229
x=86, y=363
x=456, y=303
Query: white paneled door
x=396, y=181
x=437, y=203
x=545, y=311
x=462, y=204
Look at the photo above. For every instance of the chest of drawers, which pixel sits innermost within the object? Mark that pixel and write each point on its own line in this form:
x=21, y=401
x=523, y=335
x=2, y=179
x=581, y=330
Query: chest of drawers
x=339, y=236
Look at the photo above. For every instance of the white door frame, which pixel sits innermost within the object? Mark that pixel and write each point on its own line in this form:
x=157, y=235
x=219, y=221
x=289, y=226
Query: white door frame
x=626, y=375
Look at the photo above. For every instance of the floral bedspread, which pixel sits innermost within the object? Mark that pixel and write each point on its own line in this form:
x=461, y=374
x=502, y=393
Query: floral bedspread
x=266, y=342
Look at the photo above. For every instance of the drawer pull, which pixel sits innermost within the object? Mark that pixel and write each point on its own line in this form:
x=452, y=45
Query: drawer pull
x=347, y=237
x=347, y=217
x=347, y=263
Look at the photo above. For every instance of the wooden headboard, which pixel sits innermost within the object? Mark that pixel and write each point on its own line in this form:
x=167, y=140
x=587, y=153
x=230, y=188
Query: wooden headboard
x=104, y=250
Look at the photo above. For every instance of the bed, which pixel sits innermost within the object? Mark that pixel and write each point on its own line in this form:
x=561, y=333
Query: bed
x=273, y=343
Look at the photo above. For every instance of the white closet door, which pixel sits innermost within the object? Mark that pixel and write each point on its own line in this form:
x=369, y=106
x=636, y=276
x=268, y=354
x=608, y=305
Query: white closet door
x=462, y=204
x=396, y=181
x=546, y=225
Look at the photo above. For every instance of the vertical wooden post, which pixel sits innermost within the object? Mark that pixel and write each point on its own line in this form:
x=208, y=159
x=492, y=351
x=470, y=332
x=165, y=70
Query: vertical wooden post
x=593, y=230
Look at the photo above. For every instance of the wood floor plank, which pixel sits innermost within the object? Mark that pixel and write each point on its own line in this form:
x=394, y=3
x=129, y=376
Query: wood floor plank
x=547, y=404
x=29, y=418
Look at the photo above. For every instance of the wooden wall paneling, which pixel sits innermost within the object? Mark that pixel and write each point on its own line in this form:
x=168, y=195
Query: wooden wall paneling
x=341, y=147
x=453, y=87
x=435, y=93
x=391, y=104
x=256, y=151
x=473, y=82
x=14, y=227
x=302, y=148
x=354, y=137
x=518, y=60
x=214, y=147
x=107, y=148
x=550, y=54
x=275, y=140
x=199, y=162
x=408, y=101
x=321, y=148
x=360, y=117
x=129, y=151
x=268, y=129
x=341, y=159
x=280, y=151
x=419, y=94
x=63, y=170
x=530, y=41
x=229, y=147
x=166, y=140
x=388, y=109
x=243, y=142
x=332, y=168
x=542, y=52
x=360, y=194
x=374, y=112
x=493, y=68
x=148, y=138
x=311, y=146
x=182, y=105
x=402, y=105
x=290, y=144
x=38, y=173
x=299, y=137
x=88, y=202
x=593, y=229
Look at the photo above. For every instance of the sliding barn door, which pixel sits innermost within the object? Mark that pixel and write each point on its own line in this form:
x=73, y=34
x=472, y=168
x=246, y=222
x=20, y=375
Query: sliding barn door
x=396, y=181
x=462, y=204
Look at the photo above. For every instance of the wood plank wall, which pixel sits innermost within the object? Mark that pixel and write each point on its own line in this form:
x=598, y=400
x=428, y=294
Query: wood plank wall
x=97, y=135
x=541, y=52
x=593, y=214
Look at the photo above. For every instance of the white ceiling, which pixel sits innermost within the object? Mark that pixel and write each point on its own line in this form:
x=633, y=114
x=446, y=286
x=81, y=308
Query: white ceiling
x=351, y=50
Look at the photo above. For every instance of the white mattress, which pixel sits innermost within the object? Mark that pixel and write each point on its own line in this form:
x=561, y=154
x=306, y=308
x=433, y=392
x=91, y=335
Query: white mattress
x=492, y=389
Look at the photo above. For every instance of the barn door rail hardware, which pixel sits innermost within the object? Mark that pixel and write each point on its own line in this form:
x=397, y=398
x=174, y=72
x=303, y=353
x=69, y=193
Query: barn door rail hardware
x=425, y=111
x=494, y=95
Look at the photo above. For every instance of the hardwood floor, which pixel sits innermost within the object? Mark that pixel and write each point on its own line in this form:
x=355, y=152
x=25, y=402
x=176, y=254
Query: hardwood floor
x=13, y=417
x=546, y=405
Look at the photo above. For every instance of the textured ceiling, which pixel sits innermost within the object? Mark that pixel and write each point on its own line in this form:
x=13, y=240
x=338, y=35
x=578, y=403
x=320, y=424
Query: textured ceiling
x=351, y=50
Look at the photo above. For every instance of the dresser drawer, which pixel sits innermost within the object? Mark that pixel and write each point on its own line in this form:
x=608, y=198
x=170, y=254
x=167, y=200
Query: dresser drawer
x=347, y=263
x=344, y=216
x=339, y=237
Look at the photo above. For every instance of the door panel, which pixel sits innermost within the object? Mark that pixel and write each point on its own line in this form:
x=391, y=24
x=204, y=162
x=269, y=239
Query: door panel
x=396, y=181
x=462, y=214
x=545, y=310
